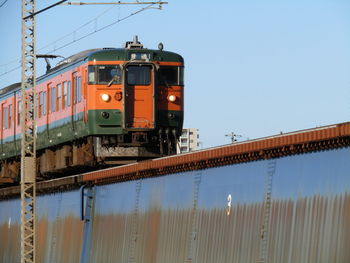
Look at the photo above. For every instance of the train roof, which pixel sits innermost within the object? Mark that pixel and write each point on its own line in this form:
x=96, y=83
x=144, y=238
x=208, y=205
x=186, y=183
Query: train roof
x=103, y=54
x=107, y=54
x=10, y=88
x=123, y=54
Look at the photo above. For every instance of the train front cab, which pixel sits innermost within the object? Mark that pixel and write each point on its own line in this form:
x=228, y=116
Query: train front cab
x=141, y=106
x=152, y=108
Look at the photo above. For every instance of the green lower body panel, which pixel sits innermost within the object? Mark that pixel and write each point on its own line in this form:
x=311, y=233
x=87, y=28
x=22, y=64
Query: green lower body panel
x=105, y=122
x=99, y=123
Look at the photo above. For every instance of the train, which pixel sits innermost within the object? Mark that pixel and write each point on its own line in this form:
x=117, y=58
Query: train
x=105, y=106
x=284, y=198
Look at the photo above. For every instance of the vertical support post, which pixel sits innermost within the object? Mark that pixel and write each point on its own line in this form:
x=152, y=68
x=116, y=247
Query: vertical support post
x=87, y=216
x=28, y=129
x=264, y=238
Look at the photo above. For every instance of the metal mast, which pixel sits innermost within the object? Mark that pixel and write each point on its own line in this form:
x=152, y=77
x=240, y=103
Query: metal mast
x=28, y=126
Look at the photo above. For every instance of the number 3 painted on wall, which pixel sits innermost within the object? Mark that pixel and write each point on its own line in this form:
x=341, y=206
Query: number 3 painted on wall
x=229, y=202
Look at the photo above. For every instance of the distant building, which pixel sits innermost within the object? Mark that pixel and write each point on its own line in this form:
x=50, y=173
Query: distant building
x=189, y=141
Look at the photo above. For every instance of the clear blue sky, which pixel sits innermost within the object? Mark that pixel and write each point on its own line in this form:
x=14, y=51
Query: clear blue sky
x=252, y=67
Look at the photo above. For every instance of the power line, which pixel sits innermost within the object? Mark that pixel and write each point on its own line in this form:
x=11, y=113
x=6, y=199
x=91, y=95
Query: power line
x=3, y=3
x=43, y=10
x=18, y=60
x=10, y=70
x=80, y=38
x=100, y=29
x=82, y=26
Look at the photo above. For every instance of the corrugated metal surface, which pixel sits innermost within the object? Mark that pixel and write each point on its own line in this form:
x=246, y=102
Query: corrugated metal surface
x=10, y=231
x=58, y=224
x=143, y=221
x=292, y=209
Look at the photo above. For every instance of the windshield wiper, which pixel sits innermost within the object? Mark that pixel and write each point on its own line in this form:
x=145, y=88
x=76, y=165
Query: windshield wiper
x=115, y=78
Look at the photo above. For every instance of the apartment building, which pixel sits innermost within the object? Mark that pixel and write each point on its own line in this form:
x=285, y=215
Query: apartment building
x=189, y=140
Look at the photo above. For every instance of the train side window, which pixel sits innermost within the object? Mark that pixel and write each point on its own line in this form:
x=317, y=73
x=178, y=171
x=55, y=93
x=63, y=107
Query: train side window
x=19, y=112
x=75, y=87
x=69, y=92
x=10, y=115
x=44, y=104
x=5, y=118
x=59, y=97
x=65, y=94
x=53, y=99
x=40, y=105
x=79, y=89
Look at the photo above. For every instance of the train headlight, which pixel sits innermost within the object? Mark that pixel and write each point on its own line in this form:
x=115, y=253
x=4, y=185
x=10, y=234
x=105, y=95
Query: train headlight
x=171, y=98
x=105, y=97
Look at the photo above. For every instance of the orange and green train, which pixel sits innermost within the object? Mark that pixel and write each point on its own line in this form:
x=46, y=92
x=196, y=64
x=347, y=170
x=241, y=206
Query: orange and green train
x=101, y=106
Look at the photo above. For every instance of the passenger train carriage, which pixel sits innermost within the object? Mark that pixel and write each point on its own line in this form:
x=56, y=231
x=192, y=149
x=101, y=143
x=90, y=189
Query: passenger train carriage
x=101, y=106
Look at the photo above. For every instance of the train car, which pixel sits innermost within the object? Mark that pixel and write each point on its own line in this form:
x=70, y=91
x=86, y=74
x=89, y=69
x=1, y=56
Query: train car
x=283, y=198
x=101, y=106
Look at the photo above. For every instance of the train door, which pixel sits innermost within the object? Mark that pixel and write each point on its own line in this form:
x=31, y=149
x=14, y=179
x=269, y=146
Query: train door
x=139, y=96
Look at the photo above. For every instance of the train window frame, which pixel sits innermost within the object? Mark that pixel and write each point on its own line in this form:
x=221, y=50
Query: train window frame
x=39, y=105
x=44, y=104
x=65, y=95
x=59, y=97
x=69, y=95
x=10, y=115
x=79, y=89
x=162, y=79
x=53, y=99
x=19, y=112
x=5, y=118
x=74, y=88
x=146, y=82
x=179, y=76
x=94, y=75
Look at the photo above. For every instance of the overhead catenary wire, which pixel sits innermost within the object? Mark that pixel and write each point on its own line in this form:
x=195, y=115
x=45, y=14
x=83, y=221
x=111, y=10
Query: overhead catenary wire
x=100, y=29
x=43, y=10
x=73, y=34
x=2, y=4
x=77, y=29
x=115, y=3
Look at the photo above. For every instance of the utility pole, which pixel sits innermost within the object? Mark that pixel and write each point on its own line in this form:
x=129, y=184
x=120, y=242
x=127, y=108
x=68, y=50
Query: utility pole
x=28, y=126
x=233, y=136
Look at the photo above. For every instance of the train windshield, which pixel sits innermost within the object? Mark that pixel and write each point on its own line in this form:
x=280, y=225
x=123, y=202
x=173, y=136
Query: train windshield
x=171, y=76
x=139, y=75
x=105, y=74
